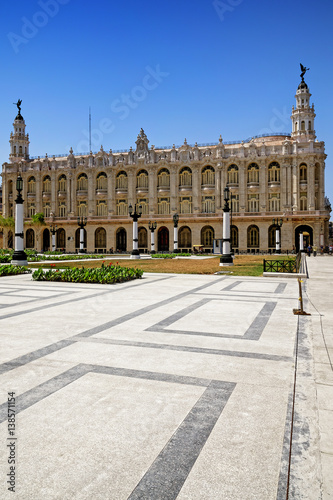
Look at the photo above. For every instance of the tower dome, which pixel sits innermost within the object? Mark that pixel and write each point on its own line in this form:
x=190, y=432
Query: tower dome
x=19, y=140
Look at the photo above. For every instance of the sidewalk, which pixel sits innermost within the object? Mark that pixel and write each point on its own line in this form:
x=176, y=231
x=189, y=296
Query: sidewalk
x=170, y=387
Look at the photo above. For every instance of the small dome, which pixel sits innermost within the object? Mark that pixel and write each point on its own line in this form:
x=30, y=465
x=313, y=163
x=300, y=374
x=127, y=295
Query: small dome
x=303, y=85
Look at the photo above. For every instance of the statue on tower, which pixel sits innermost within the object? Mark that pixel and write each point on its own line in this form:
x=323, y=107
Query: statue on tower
x=303, y=70
x=18, y=104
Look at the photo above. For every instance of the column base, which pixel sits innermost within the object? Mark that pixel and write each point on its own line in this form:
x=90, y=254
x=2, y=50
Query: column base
x=152, y=252
x=226, y=260
x=135, y=256
x=19, y=258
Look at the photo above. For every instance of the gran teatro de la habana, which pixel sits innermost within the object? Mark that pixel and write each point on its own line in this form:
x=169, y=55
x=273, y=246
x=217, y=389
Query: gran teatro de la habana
x=277, y=176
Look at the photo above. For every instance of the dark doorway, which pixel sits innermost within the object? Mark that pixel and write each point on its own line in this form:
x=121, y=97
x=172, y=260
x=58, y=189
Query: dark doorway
x=121, y=240
x=163, y=239
x=46, y=240
x=307, y=236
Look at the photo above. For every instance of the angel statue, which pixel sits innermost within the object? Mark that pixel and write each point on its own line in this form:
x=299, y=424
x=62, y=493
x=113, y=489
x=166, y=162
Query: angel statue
x=18, y=104
x=303, y=70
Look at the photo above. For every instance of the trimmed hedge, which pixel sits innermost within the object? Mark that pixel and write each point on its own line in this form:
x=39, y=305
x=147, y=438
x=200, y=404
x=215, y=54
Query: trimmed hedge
x=108, y=274
x=169, y=255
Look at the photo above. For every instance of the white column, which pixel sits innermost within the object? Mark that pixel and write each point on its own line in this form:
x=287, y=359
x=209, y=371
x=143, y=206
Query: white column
x=277, y=240
x=301, y=244
x=53, y=242
x=226, y=233
x=175, y=239
x=81, y=240
x=152, y=242
x=19, y=256
x=135, y=253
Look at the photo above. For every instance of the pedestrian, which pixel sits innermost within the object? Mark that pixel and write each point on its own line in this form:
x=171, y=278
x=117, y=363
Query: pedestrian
x=314, y=248
x=330, y=249
x=309, y=250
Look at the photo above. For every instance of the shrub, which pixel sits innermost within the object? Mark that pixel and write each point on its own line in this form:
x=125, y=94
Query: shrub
x=105, y=274
x=11, y=270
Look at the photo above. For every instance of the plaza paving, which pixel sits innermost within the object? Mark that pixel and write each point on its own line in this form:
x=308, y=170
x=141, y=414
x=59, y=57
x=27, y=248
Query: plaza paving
x=170, y=387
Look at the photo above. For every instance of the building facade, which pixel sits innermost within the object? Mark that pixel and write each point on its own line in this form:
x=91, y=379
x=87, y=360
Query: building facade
x=278, y=176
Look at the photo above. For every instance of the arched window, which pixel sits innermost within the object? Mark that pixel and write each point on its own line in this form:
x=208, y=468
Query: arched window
x=20, y=150
x=253, y=203
x=233, y=174
x=208, y=176
x=184, y=237
x=274, y=202
x=303, y=172
x=47, y=184
x=185, y=177
x=303, y=203
x=317, y=172
x=208, y=204
x=296, y=126
x=122, y=208
x=82, y=182
x=101, y=181
x=163, y=206
x=207, y=236
x=253, y=237
x=163, y=178
x=100, y=238
x=62, y=183
x=31, y=209
x=82, y=209
x=101, y=208
x=253, y=173
x=186, y=205
x=62, y=209
x=14, y=150
x=30, y=238
x=309, y=125
x=142, y=179
x=31, y=185
x=121, y=180
x=274, y=172
x=121, y=239
x=144, y=205
x=46, y=209
x=10, y=187
x=234, y=236
x=142, y=237
x=235, y=203
x=302, y=125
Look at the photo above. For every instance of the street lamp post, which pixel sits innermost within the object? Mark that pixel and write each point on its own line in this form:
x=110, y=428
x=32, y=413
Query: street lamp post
x=175, y=232
x=226, y=258
x=152, y=226
x=53, y=230
x=19, y=255
x=82, y=222
x=277, y=225
x=135, y=216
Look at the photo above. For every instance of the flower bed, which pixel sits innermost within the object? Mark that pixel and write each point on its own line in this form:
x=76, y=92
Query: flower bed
x=12, y=270
x=108, y=274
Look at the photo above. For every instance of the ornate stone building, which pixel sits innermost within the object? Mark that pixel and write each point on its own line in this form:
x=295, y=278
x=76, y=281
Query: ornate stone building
x=271, y=176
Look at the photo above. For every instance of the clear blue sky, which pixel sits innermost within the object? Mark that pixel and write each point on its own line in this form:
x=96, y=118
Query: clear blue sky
x=178, y=68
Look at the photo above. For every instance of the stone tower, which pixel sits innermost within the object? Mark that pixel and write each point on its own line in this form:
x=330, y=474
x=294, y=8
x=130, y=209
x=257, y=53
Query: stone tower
x=303, y=115
x=19, y=140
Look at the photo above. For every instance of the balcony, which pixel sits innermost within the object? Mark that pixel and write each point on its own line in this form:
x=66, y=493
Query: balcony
x=207, y=187
x=142, y=189
x=163, y=189
x=31, y=195
x=82, y=193
x=185, y=187
x=101, y=192
x=62, y=194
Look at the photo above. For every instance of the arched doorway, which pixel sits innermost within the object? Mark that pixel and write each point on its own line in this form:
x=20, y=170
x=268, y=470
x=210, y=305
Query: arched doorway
x=184, y=238
x=30, y=238
x=121, y=240
x=307, y=236
x=61, y=239
x=234, y=237
x=207, y=238
x=46, y=240
x=142, y=238
x=163, y=239
x=100, y=239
